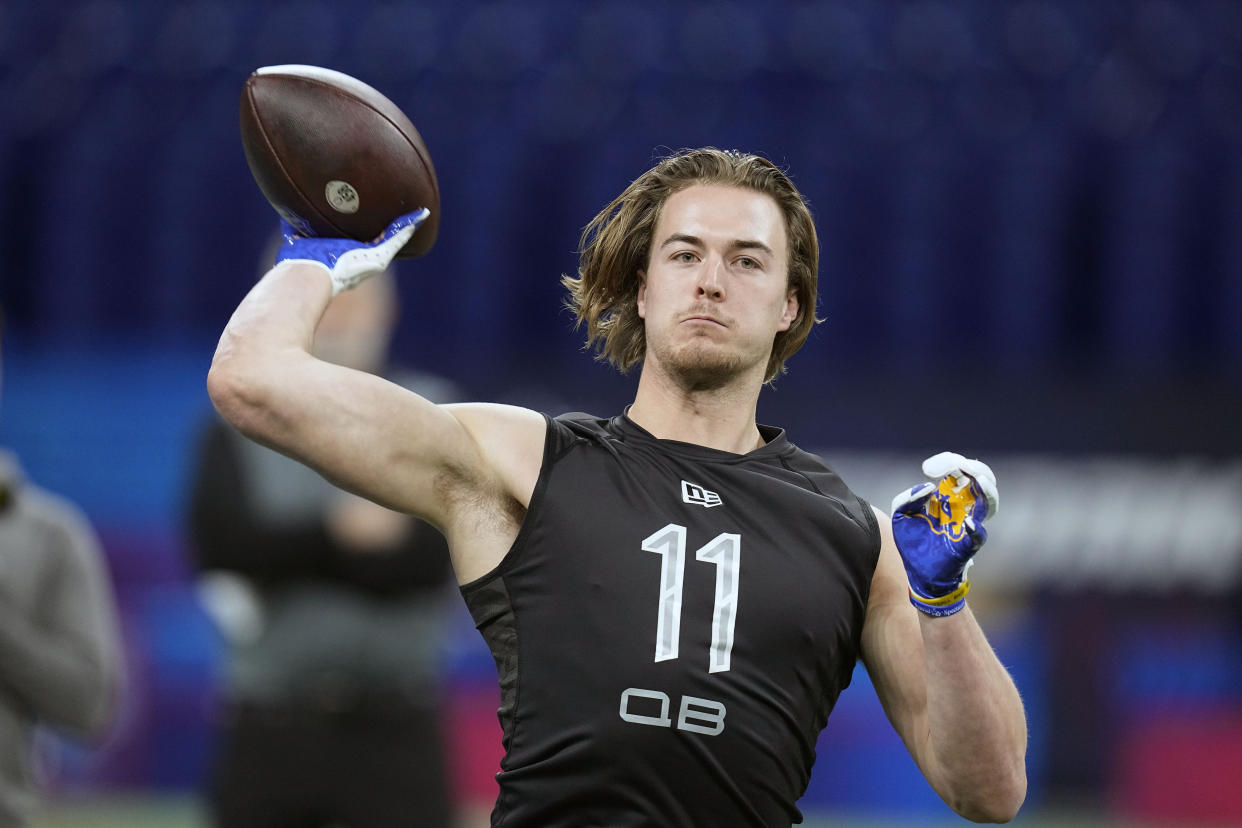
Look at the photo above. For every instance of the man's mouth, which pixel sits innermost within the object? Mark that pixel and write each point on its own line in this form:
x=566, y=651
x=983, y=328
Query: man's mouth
x=705, y=319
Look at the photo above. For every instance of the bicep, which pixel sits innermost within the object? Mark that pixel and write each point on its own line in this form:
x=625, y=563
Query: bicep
x=392, y=446
x=892, y=649
x=367, y=435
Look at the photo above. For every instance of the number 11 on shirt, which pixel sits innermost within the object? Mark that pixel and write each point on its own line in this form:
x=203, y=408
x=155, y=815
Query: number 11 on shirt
x=725, y=551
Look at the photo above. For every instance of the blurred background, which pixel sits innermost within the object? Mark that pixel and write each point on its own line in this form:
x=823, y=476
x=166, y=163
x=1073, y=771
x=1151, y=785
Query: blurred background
x=1031, y=225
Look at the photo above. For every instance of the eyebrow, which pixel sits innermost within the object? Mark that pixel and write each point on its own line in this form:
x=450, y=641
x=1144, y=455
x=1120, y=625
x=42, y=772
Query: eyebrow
x=737, y=244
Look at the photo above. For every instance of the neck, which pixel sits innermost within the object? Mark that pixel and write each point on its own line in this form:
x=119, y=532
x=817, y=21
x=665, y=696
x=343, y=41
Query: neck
x=720, y=418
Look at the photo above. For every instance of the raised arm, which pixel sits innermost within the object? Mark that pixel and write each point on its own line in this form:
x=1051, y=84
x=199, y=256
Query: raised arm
x=942, y=687
x=468, y=469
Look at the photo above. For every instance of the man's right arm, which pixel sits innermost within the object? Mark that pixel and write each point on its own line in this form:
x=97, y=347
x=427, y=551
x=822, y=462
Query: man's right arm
x=468, y=469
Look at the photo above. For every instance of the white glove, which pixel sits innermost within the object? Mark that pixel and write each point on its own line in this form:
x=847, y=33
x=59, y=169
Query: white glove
x=350, y=262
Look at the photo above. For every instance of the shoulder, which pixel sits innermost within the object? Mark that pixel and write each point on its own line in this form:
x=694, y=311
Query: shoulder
x=429, y=386
x=825, y=479
x=493, y=422
x=888, y=585
x=551, y=435
x=578, y=425
x=510, y=442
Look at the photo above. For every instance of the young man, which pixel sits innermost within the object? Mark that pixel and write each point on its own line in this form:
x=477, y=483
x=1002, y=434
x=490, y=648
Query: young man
x=675, y=596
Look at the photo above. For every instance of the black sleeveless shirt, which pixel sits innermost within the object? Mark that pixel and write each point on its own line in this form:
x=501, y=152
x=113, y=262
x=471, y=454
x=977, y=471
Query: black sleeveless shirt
x=671, y=627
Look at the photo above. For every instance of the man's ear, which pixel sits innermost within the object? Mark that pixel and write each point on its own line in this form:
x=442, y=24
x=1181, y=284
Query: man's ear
x=642, y=294
x=791, y=310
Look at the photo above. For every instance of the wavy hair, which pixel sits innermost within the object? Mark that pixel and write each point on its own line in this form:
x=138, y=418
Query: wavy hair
x=616, y=245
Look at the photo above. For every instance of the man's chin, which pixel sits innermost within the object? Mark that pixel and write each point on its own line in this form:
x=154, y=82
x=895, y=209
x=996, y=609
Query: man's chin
x=702, y=369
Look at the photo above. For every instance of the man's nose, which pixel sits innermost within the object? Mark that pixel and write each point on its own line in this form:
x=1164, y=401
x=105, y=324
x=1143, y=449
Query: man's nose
x=711, y=281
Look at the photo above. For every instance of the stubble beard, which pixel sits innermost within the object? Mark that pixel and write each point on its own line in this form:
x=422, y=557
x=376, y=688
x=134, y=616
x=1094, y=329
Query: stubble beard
x=699, y=365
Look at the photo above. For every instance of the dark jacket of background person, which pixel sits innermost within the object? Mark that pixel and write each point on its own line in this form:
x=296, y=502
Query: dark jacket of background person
x=60, y=651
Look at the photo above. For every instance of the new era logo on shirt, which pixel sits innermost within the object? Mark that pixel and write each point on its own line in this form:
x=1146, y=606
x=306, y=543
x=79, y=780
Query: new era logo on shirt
x=697, y=495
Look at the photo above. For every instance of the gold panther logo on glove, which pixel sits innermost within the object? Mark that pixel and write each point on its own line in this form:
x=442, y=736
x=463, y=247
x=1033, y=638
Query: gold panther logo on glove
x=947, y=509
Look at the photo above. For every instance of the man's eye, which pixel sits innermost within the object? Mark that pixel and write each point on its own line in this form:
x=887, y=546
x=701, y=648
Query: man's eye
x=748, y=263
x=684, y=256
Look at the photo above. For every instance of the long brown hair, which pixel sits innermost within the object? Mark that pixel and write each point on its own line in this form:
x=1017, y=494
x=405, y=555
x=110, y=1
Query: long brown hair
x=616, y=245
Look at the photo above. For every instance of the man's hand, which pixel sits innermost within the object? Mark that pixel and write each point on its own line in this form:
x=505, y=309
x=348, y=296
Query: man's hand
x=349, y=262
x=939, y=528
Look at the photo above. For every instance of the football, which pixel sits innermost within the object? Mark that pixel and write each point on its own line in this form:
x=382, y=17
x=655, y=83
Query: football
x=334, y=156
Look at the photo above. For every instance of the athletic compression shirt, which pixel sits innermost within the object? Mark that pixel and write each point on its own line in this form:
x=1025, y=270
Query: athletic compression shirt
x=671, y=627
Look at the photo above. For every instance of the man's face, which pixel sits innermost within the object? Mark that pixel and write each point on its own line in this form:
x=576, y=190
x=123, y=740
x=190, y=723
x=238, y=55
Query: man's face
x=715, y=292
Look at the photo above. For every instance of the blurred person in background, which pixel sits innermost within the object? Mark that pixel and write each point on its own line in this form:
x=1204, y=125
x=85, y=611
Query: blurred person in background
x=61, y=661
x=674, y=596
x=332, y=609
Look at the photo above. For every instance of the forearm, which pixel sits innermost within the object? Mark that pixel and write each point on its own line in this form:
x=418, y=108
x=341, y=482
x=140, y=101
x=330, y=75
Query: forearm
x=976, y=727
x=258, y=374
x=66, y=680
x=270, y=332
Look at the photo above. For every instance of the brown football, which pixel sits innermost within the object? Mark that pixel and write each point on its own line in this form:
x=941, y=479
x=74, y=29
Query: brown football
x=334, y=156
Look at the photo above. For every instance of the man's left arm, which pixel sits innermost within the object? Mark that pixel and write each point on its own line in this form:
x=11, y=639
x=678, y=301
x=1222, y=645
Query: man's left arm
x=942, y=687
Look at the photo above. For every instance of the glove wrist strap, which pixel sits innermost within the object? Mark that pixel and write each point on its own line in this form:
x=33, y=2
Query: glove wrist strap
x=944, y=605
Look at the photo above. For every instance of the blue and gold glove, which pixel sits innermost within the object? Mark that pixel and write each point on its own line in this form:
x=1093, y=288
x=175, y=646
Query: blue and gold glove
x=938, y=527
x=349, y=262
